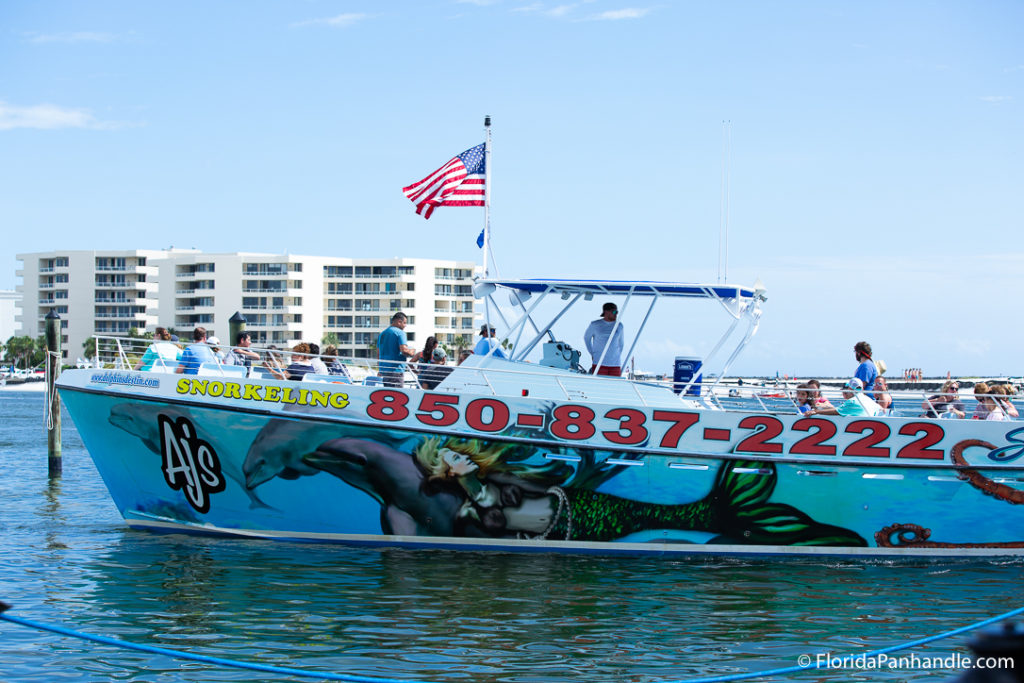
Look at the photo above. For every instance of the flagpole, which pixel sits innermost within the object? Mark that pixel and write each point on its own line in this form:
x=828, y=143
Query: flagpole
x=487, y=192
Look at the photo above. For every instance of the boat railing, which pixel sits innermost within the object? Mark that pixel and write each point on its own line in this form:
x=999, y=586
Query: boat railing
x=916, y=403
x=126, y=353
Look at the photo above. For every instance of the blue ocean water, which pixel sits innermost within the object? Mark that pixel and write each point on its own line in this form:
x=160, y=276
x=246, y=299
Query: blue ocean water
x=67, y=558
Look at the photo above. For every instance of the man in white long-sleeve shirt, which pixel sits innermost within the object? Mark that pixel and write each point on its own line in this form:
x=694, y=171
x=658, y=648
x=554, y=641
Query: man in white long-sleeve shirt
x=597, y=338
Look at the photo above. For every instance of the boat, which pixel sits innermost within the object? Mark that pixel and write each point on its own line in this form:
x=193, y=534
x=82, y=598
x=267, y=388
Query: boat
x=531, y=453
x=771, y=394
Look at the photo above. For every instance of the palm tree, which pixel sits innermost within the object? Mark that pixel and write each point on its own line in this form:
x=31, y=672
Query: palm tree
x=20, y=350
x=330, y=339
x=90, y=348
x=39, y=350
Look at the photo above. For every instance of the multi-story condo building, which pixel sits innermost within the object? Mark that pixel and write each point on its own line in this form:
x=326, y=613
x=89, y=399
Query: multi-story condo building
x=93, y=292
x=284, y=298
x=9, y=303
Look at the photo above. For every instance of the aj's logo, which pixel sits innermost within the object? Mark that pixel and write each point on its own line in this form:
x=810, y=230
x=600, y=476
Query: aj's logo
x=190, y=464
x=1011, y=452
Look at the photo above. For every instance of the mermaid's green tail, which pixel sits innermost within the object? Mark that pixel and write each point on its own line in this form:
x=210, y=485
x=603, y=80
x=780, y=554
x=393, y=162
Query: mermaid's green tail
x=737, y=509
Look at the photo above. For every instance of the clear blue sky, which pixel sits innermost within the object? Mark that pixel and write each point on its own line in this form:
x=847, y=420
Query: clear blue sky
x=877, y=165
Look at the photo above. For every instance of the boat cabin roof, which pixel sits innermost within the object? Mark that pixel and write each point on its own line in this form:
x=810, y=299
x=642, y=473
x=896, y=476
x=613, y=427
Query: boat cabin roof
x=635, y=288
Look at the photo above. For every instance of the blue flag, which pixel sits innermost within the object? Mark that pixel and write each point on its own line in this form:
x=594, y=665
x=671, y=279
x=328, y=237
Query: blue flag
x=480, y=240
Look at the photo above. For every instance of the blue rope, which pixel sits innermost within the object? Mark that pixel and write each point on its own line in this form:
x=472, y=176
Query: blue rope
x=866, y=655
x=369, y=679
x=198, y=658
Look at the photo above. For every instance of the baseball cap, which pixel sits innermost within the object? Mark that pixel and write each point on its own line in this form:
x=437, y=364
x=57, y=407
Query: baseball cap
x=213, y=341
x=855, y=384
x=484, y=327
x=439, y=354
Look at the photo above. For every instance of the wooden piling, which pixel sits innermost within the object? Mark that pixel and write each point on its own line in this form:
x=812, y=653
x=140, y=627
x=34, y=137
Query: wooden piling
x=53, y=363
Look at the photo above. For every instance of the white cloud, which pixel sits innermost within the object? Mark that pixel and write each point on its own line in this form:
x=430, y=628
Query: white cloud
x=49, y=117
x=340, y=21
x=1011, y=69
x=71, y=37
x=535, y=7
x=617, y=14
x=996, y=99
x=560, y=10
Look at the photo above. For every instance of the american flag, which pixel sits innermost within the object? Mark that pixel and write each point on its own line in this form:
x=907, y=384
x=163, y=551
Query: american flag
x=460, y=182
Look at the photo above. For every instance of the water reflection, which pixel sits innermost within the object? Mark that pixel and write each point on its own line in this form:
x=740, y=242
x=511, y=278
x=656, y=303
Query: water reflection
x=452, y=615
x=52, y=515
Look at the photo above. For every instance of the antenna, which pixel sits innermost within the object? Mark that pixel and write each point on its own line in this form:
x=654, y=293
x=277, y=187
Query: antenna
x=723, y=209
x=728, y=188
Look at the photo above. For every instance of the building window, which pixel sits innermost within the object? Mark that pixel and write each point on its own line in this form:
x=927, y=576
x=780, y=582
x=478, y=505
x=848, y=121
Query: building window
x=337, y=271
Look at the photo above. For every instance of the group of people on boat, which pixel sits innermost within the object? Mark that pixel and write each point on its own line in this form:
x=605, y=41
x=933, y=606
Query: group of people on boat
x=867, y=394
x=395, y=354
x=994, y=402
x=166, y=354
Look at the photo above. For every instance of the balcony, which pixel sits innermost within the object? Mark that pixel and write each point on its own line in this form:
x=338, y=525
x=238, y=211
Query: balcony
x=272, y=291
x=120, y=316
x=292, y=327
x=122, y=285
x=127, y=268
x=249, y=274
x=276, y=309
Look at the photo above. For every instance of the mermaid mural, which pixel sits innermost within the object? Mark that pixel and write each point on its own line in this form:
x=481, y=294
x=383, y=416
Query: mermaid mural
x=481, y=488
